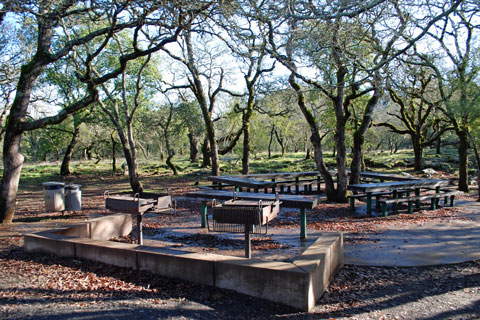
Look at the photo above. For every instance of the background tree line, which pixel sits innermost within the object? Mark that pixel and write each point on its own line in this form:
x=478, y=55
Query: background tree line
x=129, y=79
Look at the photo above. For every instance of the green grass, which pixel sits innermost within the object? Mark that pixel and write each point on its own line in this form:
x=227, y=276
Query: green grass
x=402, y=161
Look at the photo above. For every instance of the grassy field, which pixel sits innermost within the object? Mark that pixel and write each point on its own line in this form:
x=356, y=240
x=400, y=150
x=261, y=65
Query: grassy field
x=402, y=161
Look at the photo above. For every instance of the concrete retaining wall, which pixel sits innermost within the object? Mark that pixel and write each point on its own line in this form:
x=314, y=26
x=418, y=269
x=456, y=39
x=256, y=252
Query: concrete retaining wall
x=298, y=284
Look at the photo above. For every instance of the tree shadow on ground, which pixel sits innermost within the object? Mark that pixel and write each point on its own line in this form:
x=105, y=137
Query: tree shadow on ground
x=355, y=290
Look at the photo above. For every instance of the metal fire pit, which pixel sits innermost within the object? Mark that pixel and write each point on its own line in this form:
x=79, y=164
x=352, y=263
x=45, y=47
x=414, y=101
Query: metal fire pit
x=126, y=202
x=138, y=204
x=243, y=216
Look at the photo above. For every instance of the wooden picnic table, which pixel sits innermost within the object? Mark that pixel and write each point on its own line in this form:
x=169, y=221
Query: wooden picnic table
x=289, y=201
x=416, y=184
x=241, y=182
x=280, y=175
x=385, y=176
x=258, y=180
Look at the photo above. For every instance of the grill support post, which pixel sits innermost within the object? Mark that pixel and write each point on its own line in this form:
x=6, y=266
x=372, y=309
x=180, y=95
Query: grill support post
x=203, y=212
x=140, y=228
x=248, y=243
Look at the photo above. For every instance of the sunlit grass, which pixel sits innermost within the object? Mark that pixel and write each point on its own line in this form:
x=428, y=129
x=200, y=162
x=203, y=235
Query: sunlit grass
x=402, y=161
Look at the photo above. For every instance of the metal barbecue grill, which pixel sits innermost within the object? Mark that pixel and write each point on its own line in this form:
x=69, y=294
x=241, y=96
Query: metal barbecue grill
x=243, y=216
x=138, y=204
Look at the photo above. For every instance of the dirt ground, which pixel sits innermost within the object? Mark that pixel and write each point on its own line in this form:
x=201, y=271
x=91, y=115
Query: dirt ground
x=35, y=286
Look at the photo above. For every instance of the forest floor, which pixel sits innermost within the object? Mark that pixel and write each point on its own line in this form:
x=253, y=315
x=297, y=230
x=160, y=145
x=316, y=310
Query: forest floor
x=36, y=286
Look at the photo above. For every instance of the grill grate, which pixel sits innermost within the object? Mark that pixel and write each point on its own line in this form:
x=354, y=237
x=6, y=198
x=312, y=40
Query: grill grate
x=242, y=217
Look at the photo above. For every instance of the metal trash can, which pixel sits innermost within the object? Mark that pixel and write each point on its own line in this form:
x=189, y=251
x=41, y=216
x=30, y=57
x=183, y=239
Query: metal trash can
x=54, y=196
x=73, y=197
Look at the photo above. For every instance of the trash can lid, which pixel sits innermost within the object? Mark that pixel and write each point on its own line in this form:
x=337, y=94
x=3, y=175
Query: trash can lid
x=72, y=186
x=53, y=185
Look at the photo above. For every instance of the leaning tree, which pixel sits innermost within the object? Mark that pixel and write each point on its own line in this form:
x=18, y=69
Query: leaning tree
x=58, y=27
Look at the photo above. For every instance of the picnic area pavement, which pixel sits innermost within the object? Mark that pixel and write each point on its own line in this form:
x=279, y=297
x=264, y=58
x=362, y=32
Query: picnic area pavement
x=421, y=245
x=42, y=287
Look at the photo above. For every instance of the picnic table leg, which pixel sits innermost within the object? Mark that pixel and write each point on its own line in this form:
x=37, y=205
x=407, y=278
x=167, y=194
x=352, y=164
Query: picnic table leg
x=417, y=194
x=384, y=209
x=319, y=182
x=303, y=223
x=452, y=201
x=203, y=213
x=437, y=200
x=297, y=187
x=395, y=196
x=377, y=202
x=369, y=203
x=352, y=204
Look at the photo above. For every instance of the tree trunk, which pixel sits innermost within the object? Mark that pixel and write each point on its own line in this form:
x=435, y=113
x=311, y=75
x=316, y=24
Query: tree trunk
x=280, y=142
x=418, y=153
x=316, y=140
x=170, y=154
x=206, y=161
x=477, y=159
x=202, y=101
x=12, y=157
x=170, y=151
x=135, y=183
x=193, y=140
x=114, y=153
x=246, y=149
x=359, y=135
x=270, y=142
x=438, y=146
x=463, y=160
x=132, y=169
x=307, y=155
x=341, y=157
x=356, y=165
x=89, y=153
x=12, y=167
x=65, y=167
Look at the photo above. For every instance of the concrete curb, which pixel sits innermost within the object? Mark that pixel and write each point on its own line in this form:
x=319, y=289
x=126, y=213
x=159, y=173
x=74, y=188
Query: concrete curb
x=298, y=284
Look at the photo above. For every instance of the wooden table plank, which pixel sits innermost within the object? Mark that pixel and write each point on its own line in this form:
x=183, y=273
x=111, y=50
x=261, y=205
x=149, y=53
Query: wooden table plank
x=288, y=201
x=385, y=176
x=395, y=185
x=241, y=182
x=280, y=175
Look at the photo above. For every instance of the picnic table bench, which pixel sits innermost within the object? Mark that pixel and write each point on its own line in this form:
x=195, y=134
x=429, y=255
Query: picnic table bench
x=396, y=187
x=433, y=197
x=382, y=177
x=240, y=182
x=288, y=201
